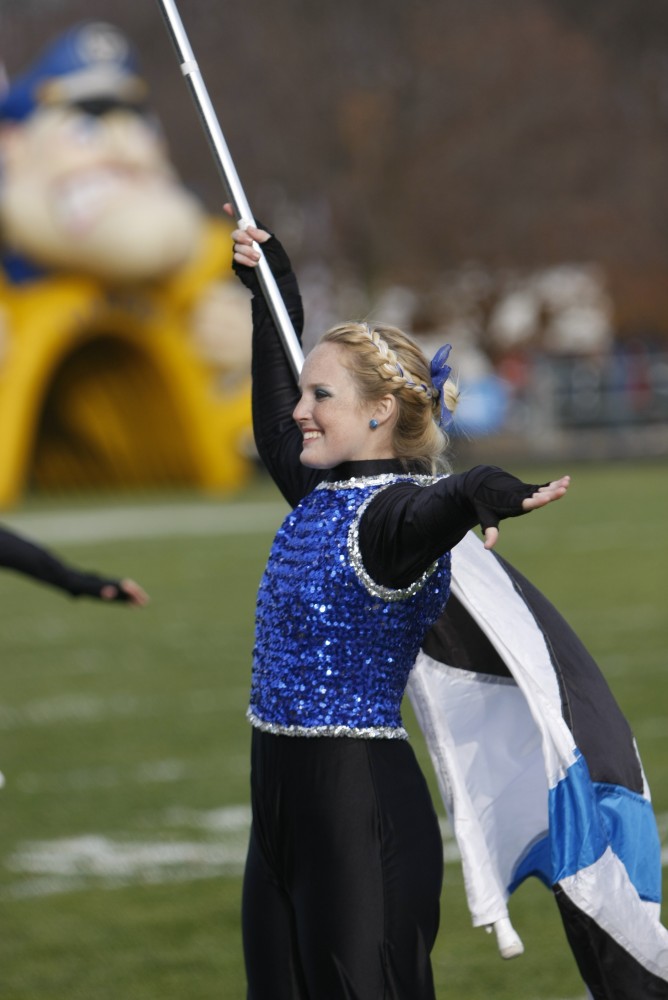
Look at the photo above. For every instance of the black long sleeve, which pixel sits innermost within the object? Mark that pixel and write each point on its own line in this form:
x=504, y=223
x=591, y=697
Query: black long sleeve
x=275, y=393
x=406, y=527
x=17, y=553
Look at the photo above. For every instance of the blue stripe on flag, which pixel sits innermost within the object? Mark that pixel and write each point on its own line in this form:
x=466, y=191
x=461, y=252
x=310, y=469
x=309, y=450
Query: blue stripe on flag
x=586, y=817
x=535, y=862
x=631, y=827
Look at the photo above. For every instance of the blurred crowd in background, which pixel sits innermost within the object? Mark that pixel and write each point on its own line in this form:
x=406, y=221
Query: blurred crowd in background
x=493, y=176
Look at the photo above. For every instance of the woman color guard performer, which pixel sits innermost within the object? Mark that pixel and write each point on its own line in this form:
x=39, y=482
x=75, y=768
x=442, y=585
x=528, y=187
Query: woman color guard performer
x=344, y=870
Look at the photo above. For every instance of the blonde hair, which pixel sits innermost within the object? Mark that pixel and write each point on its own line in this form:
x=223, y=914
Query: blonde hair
x=383, y=359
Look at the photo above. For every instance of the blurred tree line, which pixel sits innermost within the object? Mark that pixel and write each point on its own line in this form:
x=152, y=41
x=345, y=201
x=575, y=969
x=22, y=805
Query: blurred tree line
x=398, y=141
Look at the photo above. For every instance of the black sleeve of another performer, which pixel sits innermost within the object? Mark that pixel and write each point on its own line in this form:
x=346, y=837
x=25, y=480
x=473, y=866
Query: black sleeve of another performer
x=23, y=556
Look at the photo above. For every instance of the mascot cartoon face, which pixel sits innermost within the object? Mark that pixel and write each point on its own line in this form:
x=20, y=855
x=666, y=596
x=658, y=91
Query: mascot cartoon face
x=86, y=185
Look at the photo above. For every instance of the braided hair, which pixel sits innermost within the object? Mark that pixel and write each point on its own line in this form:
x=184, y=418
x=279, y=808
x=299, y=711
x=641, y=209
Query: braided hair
x=383, y=359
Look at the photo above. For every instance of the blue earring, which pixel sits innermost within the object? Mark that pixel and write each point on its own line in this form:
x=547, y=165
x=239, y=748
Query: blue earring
x=373, y=424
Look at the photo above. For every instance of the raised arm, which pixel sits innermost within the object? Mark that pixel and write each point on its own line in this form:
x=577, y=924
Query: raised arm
x=275, y=393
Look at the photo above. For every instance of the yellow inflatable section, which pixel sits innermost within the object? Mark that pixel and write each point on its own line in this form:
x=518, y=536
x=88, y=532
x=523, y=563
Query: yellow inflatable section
x=103, y=388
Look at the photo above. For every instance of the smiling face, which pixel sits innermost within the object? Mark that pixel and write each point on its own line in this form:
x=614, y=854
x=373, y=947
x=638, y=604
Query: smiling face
x=333, y=419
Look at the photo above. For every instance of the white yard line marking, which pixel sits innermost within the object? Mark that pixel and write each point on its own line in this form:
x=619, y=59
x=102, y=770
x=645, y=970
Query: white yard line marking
x=83, y=708
x=74, y=863
x=75, y=707
x=117, y=523
x=44, y=867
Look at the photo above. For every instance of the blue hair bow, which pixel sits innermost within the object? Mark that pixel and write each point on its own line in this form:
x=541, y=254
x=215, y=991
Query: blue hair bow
x=440, y=371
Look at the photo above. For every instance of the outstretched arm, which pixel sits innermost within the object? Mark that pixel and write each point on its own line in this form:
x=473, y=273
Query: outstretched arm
x=407, y=527
x=34, y=560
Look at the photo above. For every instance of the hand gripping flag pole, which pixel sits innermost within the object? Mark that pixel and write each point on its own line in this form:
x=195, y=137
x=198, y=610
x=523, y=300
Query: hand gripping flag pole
x=230, y=178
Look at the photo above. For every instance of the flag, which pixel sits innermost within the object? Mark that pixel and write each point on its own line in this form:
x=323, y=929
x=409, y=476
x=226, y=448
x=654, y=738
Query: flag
x=540, y=774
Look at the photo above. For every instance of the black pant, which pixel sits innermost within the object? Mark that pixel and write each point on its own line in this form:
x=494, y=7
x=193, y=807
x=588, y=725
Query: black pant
x=344, y=871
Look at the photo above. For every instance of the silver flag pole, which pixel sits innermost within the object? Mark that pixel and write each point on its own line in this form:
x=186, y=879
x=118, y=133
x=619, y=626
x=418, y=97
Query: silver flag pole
x=230, y=178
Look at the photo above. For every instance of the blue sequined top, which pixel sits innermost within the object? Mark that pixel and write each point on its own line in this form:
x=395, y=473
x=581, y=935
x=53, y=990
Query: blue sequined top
x=333, y=649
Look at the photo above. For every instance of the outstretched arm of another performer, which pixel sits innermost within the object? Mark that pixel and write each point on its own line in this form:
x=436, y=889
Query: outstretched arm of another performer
x=20, y=554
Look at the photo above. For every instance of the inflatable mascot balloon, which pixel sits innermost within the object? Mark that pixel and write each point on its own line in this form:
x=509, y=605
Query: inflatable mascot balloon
x=124, y=348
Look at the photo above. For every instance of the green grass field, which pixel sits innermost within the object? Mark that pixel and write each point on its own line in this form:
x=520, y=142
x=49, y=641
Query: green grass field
x=124, y=744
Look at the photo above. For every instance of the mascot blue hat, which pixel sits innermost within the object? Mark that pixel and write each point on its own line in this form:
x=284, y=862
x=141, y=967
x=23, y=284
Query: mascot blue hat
x=91, y=60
